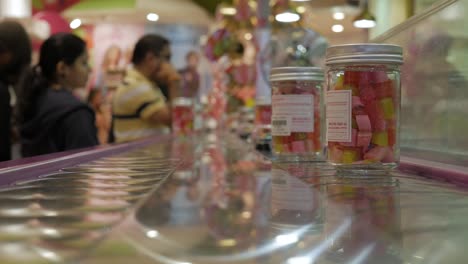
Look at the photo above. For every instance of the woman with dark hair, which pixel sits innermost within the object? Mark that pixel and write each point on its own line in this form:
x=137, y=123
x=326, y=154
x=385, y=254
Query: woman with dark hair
x=50, y=117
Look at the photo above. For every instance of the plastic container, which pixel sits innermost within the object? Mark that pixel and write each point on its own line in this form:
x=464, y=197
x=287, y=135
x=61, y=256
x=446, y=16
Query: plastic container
x=297, y=113
x=363, y=106
x=182, y=116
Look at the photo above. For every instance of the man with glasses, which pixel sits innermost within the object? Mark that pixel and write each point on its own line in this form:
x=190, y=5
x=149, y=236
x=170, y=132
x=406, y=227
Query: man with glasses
x=139, y=107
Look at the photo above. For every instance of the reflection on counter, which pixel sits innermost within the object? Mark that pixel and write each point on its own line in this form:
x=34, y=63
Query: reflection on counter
x=232, y=206
x=213, y=199
x=372, y=208
x=58, y=217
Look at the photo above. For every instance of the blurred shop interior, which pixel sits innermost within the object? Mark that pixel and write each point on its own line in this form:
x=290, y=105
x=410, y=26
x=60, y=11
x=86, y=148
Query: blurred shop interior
x=209, y=28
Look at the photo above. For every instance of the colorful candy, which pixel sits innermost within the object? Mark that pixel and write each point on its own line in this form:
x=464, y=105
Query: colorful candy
x=372, y=127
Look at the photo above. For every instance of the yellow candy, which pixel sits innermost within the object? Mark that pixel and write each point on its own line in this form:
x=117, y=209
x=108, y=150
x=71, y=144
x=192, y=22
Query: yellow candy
x=300, y=136
x=380, y=138
x=387, y=107
x=350, y=191
x=339, y=82
x=350, y=156
x=354, y=123
x=278, y=145
x=353, y=88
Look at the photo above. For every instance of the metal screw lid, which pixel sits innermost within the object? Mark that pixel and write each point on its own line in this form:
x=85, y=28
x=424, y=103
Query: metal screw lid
x=296, y=73
x=364, y=53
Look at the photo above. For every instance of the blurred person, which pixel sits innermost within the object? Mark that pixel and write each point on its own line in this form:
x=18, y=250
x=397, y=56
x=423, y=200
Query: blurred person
x=111, y=59
x=139, y=107
x=15, y=56
x=190, y=76
x=102, y=114
x=51, y=118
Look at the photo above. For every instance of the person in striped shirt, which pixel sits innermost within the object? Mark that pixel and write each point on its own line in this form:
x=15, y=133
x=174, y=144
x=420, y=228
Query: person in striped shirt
x=139, y=108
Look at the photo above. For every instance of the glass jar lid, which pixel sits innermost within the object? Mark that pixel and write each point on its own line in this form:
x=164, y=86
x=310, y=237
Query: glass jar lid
x=182, y=101
x=364, y=53
x=296, y=73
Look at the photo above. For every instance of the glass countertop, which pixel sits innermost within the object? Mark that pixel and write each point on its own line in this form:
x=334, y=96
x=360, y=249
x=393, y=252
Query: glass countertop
x=225, y=203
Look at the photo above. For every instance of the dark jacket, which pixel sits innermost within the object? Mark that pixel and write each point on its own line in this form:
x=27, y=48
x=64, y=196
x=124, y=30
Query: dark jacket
x=5, y=123
x=61, y=122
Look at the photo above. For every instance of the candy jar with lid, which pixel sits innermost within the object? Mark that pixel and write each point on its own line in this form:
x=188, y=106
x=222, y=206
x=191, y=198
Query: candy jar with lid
x=363, y=106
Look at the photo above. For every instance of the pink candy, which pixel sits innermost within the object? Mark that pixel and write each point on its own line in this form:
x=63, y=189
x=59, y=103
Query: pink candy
x=376, y=116
x=336, y=154
x=379, y=76
x=389, y=157
x=377, y=153
x=363, y=123
x=298, y=147
x=353, y=139
x=357, y=101
x=364, y=138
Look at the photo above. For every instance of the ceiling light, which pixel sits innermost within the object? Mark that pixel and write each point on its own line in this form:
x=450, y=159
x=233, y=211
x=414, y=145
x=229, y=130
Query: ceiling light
x=152, y=234
x=301, y=9
x=364, y=23
x=365, y=19
x=228, y=10
x=338, y=15
x=287, y=17
x=76, y=23
x=152, y=17
x=337, y=28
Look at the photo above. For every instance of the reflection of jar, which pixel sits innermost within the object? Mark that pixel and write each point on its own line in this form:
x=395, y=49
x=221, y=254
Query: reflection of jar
x=363, y=105
x=182, y=116
x=368, y=214
x=297, y=113
x=294, y=204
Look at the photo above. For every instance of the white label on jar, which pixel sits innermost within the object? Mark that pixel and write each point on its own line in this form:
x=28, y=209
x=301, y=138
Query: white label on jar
x=298, y=109
x=339, y=116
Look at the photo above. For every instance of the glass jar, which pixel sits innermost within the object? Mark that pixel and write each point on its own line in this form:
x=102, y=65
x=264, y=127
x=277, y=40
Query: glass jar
x=182, y=116
x=297, y=113
x=363, y=106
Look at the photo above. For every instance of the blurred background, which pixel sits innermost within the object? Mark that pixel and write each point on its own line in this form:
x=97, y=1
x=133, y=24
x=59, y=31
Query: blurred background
x=240, y=40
